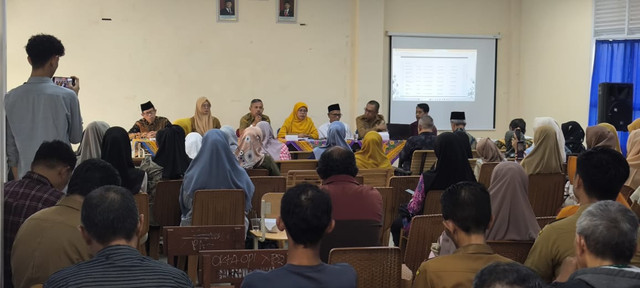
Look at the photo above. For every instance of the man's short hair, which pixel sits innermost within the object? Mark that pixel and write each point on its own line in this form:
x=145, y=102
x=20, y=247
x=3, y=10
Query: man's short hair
x=54, y=154
x=511, y=274
x=468, y=205
x=109, y=213
x=610, y=231
x=424, y=107
x=40, y=48
x=256, y=101
x=518, y=123
x=426, y=122
x=603, y=172
x=337, y=161
x=90, y=175
x=375, y=104
x=305, y=211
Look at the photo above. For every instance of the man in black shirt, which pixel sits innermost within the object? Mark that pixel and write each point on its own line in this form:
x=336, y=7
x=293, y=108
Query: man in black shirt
x=425, y=140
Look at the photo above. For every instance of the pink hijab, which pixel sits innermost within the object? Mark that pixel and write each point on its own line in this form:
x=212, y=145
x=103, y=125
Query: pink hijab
x=488, y=151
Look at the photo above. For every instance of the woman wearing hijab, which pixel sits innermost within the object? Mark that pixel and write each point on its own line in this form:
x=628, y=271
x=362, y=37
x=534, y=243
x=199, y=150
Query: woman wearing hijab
x=275, y=148
x=116, y=149
x=600, y=135
x=545, y=156
x=251, y=155
x=335, y=137
x=185, y=123
x=573, y=136
x=91, y=141
x=298, y=123
x=634, y=125
x=633, y=158
x=203, y=121
x=192, y=144
x=464, y=138
x=548, y=121
x=215, y=167
x=371, y=155
x=513, y=217
x=232, y=139
x=171, y=155
x=488, y=152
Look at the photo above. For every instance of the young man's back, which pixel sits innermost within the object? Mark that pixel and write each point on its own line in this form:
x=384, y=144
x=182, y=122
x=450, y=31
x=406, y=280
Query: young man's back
x=322, y=275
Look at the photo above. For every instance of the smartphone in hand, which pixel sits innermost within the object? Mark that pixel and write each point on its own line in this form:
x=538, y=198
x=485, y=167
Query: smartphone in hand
x=66, y=82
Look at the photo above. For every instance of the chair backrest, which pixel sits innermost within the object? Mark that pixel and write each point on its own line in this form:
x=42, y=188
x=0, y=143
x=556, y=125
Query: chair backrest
x=475, y=154
x=486, y=169
x=218, y=207
x=142, y=203
x=425, y=230
x=432, y=202
x=271, y=205
x=265, y=184
x=295, y=177
x=166, y=204
x=389, y=213
x=302, y=155
x=306, y=164
x=546, y=193
x=544, y=220
x=472, y=163
x=189, y=240
x=399, y=185
x=376, y=177
x=351, y=233
x=257, y=172
x=375, y=266
x=572, y=164
x=422, y=160
x=626, y=193
x=514, y=250
x=231, y=266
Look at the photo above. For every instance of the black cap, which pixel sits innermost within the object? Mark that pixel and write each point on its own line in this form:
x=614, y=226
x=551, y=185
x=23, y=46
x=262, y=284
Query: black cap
x=146, y=106
x=458, y=116
x=333, y=107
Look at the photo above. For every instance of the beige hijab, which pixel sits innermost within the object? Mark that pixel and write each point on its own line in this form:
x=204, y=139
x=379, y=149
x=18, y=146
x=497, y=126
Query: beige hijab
x=600, y=135
x=545, y=156
x=513, y=217
x=488, y=151
x=203, y=122
x=633, y=157
x=250, y=152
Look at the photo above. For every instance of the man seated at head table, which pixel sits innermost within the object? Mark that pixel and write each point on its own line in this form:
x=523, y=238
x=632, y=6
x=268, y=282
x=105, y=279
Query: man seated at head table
x=334, y=115
x=421, y=110
x=149, y=124
x=254, y=116
x=370, y=120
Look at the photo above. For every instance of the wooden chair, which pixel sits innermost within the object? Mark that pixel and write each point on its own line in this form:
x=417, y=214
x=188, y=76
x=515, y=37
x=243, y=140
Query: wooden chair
x=432, y=202
x=270, y=204
x=218, y=207
x=302, y=155
x=142, y=203
x=189, y=240
x=257, y=172
x=375, y=266
x=265, y=184
x=389, y=213
x=475, y=154
x=472, y=163
x=230, y=266
x=399, y=184
x=286, y=165
x=546, y=193
x=514, y=250
x=425, y=230
x=166, y=212
x=295, y=177
x=422, y=160
x=543, y=221
x=376, y=177
x=626, y=192
x=486, y=170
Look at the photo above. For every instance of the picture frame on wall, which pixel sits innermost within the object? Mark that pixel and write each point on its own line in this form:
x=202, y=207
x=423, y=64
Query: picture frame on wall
x=287, y=11
x=227, y=10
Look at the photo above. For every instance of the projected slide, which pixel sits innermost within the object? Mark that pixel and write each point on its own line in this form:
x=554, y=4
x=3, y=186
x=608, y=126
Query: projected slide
x=433, y=75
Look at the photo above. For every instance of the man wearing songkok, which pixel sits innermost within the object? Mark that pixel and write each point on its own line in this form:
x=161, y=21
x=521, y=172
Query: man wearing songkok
x=149, y=124
x=334, y=115
x=459, y=122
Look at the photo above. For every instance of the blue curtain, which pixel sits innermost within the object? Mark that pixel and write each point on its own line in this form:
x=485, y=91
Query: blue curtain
x=616, y=61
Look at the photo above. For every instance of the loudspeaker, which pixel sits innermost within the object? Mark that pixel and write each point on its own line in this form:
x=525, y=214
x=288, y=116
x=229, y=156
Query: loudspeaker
x=615, y=104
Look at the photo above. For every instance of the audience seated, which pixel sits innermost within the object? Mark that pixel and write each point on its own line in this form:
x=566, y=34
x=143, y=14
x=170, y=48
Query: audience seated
x=335, y=138
x=251, y=155
x=466, y=209
x=275, y=148
x=601, y=136
x=49, y=240
x=202, y=121
x=371, y=156
x=423, y=141
x=600, y=173
x=513, y=217
x=515, y=124
x=254, y=116
x=91, y=143
x=548, y=121
x=110, y=227
x=370, y=120
x=573, y=136
x=298, y=123
x=192, y=144
x=488, y=152
x=232, y=138
x=459, y=122
x=545, y=156
x=116, y=149
x=422, y=109
x=606, y=240
x=149, y=124
x=40, y=188
x=614, y=132
x=357, y=208
x=503, y=275
x=215, y=167
x=334, y=115
x=305, y=214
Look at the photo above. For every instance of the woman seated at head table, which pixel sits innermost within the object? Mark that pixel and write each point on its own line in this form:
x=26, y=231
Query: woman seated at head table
x=203, y=121
x=298, y=123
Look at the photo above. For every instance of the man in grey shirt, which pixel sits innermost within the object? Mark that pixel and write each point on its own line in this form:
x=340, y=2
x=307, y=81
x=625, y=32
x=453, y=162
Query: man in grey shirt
x=39, y=110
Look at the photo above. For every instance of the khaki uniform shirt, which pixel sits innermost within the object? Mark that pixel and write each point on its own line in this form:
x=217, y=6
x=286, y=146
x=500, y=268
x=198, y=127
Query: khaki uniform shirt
x=457, y=269
x=48, y=241
x=247, y=120
x=364, y=126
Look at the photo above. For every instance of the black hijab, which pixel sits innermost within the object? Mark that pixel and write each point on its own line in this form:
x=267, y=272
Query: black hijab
x=573, y=136
x=464, y=141
x=453, y=162
x=171, y=154
x=116, y=149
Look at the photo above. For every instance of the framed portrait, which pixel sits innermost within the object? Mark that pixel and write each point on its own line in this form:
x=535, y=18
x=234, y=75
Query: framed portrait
x=287, y=11
x=227, y=10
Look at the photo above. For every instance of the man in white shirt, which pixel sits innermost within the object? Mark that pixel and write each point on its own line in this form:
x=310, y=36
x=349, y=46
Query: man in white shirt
x=334, y=115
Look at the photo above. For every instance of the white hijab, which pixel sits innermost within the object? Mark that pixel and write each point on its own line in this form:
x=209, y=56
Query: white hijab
x=192, y=144
x=548, y=121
